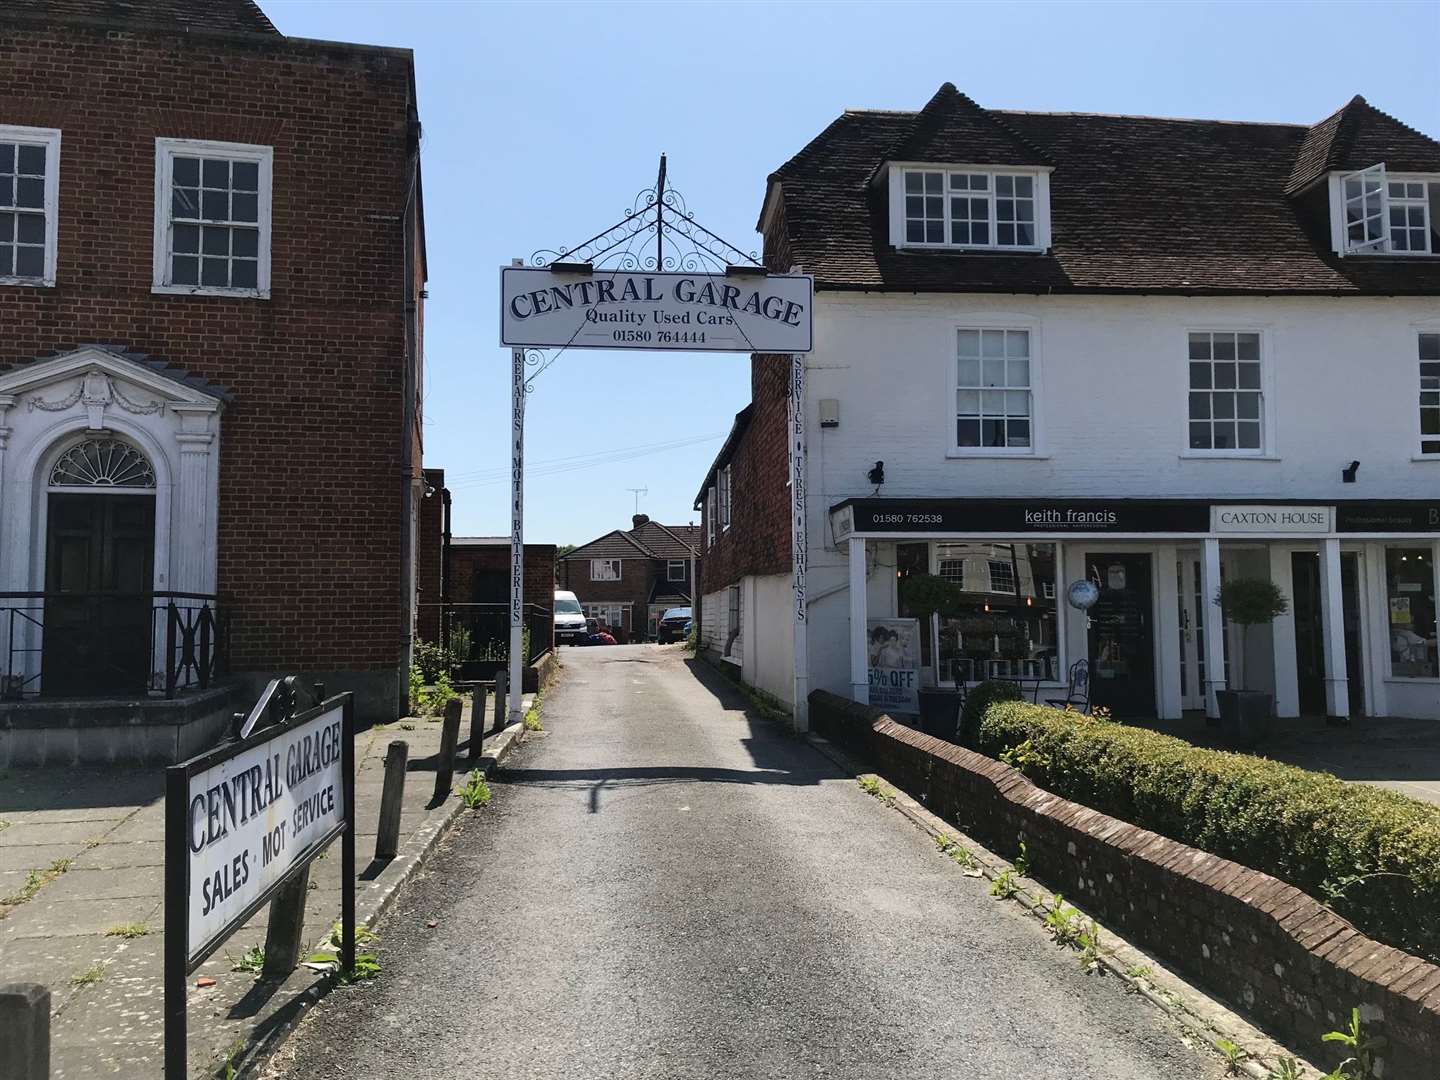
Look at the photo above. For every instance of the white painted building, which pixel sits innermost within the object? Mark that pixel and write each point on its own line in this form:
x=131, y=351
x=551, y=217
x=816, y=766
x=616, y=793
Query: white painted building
x=1152, y=354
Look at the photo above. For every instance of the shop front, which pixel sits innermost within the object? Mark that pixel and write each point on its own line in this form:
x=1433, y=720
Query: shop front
x=1359, y=637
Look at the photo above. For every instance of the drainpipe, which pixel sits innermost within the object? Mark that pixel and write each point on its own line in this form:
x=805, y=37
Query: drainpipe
x=409, y=483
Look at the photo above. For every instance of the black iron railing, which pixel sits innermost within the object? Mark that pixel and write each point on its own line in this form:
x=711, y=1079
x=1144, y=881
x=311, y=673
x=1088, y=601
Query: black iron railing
x=63, y=644
x=476, y=637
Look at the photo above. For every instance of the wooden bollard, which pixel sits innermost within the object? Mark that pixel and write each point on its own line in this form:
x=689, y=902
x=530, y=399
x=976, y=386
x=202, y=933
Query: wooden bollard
x=477, y=721
x=449, y=738
x=24, y=1031
x=392, y=800
x=502, y=682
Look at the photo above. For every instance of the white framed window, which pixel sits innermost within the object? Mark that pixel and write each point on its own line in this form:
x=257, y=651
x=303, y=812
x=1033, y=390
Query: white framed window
x=1047, y=589
x=29, y=204
x=1002, y=576
x=1376, y=212
x=1226, y=397
x=212, y=218
x=605, y=569
x=710, y=512
x=994, y=391
x=727, y=498
x=970, y=207
x=1430, y=393
x=675, y=570
x=953, y=571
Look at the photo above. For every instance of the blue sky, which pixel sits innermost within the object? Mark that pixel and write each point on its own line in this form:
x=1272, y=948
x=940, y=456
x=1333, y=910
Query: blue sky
x=543, y=120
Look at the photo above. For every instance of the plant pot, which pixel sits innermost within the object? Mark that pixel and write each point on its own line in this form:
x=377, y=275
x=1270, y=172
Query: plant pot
x=1245, y=717
x=940, y=712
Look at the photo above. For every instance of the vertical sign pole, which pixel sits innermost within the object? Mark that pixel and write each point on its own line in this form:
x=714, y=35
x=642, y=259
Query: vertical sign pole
x=799, y=556
x=177, y=919
x=347, y=839
x=517, y=530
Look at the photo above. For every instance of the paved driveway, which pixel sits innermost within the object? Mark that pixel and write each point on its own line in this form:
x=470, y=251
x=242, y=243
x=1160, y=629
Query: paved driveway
x=664, y=888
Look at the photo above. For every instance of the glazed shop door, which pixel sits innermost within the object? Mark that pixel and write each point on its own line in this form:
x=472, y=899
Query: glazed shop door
x=1122, y=640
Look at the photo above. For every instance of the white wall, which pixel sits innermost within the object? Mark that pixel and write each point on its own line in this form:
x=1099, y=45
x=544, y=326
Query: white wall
x=770, y=636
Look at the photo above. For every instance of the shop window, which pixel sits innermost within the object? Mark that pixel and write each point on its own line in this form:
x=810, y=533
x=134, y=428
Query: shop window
x=1009, y=623
x=1410, y=590
x=212, y=218
x=915, y=559
x=971, y=208
x=605, y=569
x=993, y=399
x=1430, y=393
x=1226, y=399
x=29, y=189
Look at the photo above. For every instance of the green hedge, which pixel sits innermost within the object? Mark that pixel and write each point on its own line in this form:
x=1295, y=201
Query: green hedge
x=1371, y=855
x=978, y=702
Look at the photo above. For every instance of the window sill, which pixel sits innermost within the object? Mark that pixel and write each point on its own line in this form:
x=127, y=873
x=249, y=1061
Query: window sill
x=34, y=283
x=1202, y=455
x=202, y=290
x=1422, y=680
x=961, y=249
x=991, y=454
x=1426, y=457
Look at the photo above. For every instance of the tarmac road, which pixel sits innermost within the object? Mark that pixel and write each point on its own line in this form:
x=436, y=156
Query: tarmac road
x=664, y=888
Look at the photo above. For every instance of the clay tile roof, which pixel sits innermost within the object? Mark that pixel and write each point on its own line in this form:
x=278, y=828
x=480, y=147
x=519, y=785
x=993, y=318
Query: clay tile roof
x=952, y=128
x=667, y=541
x=1138, y=204
x=236, y=16
x=613, y=545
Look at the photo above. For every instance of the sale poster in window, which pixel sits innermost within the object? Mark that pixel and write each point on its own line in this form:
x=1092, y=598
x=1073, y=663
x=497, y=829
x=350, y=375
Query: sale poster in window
x=893, y=648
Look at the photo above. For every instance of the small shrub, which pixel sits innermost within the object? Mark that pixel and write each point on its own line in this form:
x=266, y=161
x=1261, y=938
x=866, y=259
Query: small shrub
x=1360, y=1063
x=1373, y=855
x=476, y=792
x=977, y=704
x=1004, y=886
x=1232, y=1053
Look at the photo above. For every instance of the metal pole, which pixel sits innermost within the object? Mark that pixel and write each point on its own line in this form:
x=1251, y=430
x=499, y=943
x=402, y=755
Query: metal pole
x=799, y=555
x=177, y=919
x=660, y=217
x=517, y=527
x=347, y=839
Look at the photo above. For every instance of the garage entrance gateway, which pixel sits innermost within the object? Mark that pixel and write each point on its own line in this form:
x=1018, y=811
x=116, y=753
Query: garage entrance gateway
x=657, y=280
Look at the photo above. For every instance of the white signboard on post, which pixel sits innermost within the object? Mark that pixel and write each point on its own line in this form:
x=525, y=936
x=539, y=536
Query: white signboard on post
x=608, y=309
x=252, y=817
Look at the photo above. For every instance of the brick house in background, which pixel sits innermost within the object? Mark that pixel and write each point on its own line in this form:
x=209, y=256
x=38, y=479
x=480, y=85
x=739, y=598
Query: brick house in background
x=210, y=370
x=627, y=580
x=744, y=505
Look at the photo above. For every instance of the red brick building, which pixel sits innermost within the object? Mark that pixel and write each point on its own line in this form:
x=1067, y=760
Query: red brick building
x=627, y=580
x=211, y=286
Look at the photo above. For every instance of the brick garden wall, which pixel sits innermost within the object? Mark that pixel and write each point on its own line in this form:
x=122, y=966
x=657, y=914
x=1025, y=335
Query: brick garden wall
x=1292, y=965
x=312, y=483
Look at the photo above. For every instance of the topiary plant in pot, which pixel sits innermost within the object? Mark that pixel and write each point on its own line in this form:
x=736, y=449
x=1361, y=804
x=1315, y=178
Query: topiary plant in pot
x=1245, y=714
x=925, y=595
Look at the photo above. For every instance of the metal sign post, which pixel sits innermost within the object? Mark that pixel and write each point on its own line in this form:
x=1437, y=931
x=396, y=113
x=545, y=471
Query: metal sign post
x=799, y=555
x=517, y=659
x=240, y=823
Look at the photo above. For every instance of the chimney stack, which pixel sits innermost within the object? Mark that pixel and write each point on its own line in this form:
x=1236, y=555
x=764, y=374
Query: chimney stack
x=638, y=520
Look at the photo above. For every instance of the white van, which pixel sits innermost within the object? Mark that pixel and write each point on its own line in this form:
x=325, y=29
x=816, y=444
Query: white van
x=569, y=619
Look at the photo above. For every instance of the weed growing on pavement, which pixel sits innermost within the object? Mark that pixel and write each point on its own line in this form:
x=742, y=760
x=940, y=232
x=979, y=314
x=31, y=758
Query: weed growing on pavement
x=1360, y=1065
x=1232, y=1053
x=1091, y=951
x=4, y=824
x=1138, y=971
x=958, y=855
x=35, y=880
x=367, y=967
x=363, y=934
x=1004, y=886
x=1022, y=861
x=89, y=977
x=476, y=792
x=251, y=960
x=1064, y=923
x=872, y=786
x=1286, y=1069
x=128, y=931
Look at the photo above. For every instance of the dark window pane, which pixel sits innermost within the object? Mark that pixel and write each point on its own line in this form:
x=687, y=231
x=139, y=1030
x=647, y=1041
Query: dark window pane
x=185, y=270
x=215, y=241
x=1430, y=421
x=244, y=242
x=245, y=176
x=185, y=203
x=187, y=239
x=186, y=172
x=1199, y=348
x=1430, y=346
x=1004, y=210
x=967, y=433
x=7, y=157
x=7, y=191
x=215, y=272
x=1199, y=406
x=1250, y=376
x=243, y=273
x=1004, y=185
x=216, y=173
x=915, y=232
x=980, y=233
x=960, y=232
x=30, y=193
x=934, y=207
x=7, y=230
x=1025, y=234
x=914, y=182
x=1005, y=234
x=934, y=183
x=32, y=160
x=1247, y=406
x=1199, y=436
x=1224, y=376
x=992, y=432
x=215, y=205
x=1225, y=436
x=1224, y=347
x=1430, y=447
x=1025, y=211
x=915, y=206
x=1200, y=376
x=1019, y=432
x=30, y=228
x=1025, y=186
x=29, y=262
x=935, y=232
x=1224, y=406
x=1249, y=436
x=7, y=259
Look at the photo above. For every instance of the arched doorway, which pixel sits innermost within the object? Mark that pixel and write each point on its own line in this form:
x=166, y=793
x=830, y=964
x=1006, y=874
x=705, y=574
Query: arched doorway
x=99, y=567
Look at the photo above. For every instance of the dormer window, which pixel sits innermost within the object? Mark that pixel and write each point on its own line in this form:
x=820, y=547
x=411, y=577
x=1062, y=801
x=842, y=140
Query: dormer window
x=969, y=208
x=1381, y=213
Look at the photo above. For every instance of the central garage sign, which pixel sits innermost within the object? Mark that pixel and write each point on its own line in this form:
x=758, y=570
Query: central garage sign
x=550, y=308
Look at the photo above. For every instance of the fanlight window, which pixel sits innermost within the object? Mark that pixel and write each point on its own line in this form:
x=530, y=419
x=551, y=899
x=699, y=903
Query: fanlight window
x=102, y=463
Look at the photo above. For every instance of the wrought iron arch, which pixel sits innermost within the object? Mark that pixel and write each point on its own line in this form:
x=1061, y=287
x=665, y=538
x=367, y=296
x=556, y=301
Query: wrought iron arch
x=103, y=462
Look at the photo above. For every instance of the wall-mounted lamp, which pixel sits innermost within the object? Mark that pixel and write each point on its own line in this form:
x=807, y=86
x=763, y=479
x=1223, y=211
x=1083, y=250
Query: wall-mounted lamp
x=1347, y=474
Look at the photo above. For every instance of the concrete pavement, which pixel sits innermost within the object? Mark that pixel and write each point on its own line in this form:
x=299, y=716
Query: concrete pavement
x=666, y=887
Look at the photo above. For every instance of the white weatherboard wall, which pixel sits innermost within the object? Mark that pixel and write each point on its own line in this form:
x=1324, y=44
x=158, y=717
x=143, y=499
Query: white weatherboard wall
x=769, y=635
x=1110, y=379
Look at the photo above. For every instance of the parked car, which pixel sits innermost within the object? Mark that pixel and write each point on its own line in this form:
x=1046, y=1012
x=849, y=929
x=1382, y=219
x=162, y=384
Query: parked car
x=569, y=619
x=674, y=625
